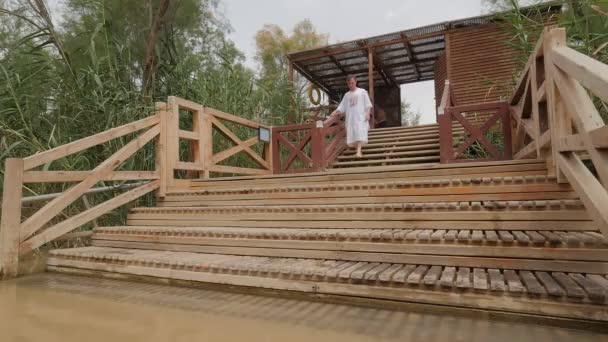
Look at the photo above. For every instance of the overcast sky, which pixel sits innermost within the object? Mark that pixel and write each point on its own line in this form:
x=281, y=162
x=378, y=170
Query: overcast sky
x=347, y=20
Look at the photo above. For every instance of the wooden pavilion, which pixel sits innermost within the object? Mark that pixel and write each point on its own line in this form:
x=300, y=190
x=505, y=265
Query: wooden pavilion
x=472, y=53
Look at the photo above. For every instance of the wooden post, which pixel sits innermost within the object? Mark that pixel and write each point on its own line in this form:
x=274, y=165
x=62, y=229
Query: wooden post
x=370, y=75
x=445, y=136
x=172, y=139
x=276, y=156
x=206, y=142
x=559, y=123
x=162, y=165
x=317, y=146
x=10, y=225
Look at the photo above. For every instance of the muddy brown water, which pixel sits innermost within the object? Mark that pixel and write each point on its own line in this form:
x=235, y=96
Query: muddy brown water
x=55, y=307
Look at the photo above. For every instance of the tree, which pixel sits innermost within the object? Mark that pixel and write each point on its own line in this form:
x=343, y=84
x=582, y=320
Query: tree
x=273, y=44
x=409, y=117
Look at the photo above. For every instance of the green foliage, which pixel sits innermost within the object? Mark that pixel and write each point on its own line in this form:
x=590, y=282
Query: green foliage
x=409, y=116
x=60, y=84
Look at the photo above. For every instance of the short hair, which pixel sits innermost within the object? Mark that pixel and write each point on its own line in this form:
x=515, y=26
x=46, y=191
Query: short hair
x=351, y=77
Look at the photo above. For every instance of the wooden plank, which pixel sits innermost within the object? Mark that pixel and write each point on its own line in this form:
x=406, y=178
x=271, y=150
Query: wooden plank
x=573, y=291
x=513, y=283
x=77, y=176
x=238, y=170
x=188, y=135
x=497, y=282
x=594, y=291
x=591, y=191
x=55, y=206
x=432, y=276
x=416, y=276
x=218, y=157
x=463, y=278
x=85, y=143
x=402, y=274
x=387, y=274
x=586, y=118
x=232, y=118
x=592, y=73
x=552, y=287
x=576, y=142
x=533, y=287
x=480, y=279
x=10, y=222
x=447, y=277
x=78, y=220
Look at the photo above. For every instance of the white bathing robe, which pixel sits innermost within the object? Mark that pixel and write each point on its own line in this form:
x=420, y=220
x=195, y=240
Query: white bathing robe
x=355, y=104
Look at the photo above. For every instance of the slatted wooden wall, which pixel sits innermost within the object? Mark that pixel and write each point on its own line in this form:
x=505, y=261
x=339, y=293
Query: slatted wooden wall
x=441, y=74
x=482, y=65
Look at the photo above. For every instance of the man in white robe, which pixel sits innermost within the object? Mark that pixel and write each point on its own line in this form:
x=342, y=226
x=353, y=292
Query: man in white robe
x=357, y=108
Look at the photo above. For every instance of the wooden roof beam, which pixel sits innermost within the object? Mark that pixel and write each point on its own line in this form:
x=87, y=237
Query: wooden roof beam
x=378, y=65
x=410, y=54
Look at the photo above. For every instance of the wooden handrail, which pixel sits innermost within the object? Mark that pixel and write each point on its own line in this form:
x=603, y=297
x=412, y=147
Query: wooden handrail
x=17, y=237
x=551, y=98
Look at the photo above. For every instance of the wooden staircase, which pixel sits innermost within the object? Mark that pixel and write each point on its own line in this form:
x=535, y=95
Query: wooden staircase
x=524, y=236
x=498, y=236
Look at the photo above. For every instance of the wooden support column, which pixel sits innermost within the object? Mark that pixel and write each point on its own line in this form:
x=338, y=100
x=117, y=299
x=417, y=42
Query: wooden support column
x=171, y=121
x=291, y=115
x=206, y=142
x=559, y=120
x=10, y=225
x=370, y=75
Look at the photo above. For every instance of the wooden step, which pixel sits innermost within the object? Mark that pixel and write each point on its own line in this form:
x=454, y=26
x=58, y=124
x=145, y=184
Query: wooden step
x=393, y=161
x=578, y=295
x=570, y=213
x=488, y=245
x=458, y=188
x=389, y=155
x=400, y=148
x=397, y=172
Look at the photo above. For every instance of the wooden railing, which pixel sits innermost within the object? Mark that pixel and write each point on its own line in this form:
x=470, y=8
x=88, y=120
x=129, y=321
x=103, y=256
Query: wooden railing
x=558, y=121
x=315, y=145
x=19, y=237
x=477, y=121
x=203, y=159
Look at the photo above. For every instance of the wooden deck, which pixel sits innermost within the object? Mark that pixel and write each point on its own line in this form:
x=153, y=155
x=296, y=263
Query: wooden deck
x=525, y=236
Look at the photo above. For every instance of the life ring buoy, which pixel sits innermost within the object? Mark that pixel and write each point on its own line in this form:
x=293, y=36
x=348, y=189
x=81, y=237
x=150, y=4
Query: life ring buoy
x=314, y=89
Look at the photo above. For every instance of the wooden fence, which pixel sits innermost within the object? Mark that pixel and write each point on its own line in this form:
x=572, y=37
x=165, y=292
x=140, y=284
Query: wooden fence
x=557, y=120
x=316, y=145
x=476, y=121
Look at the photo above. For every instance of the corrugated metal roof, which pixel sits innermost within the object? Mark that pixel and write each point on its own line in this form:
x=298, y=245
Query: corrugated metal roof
x=394, y=64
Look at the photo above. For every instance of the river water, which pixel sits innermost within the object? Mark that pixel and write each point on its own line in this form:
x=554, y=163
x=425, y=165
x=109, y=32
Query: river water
x=53, y=307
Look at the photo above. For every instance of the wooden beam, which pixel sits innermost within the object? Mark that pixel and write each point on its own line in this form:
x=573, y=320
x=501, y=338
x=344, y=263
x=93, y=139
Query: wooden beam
x=55, y=206
x=218, y=157
x=82, y=144
x=233, y=118
x=76, y=221
x=590, y=72
x=532, y=147
x=576, y=142
x=367, y=46
x=586, y=119
x=230, y=135
x=10, y=224
x=592, y=193
x=238, y=170
x=78, y=176
x=410, y=54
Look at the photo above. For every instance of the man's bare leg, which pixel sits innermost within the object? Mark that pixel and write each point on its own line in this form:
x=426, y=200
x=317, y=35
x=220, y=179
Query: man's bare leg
x=359, y=153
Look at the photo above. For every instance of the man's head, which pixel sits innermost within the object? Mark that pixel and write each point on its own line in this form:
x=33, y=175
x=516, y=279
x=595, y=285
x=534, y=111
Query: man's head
x=351, y=81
